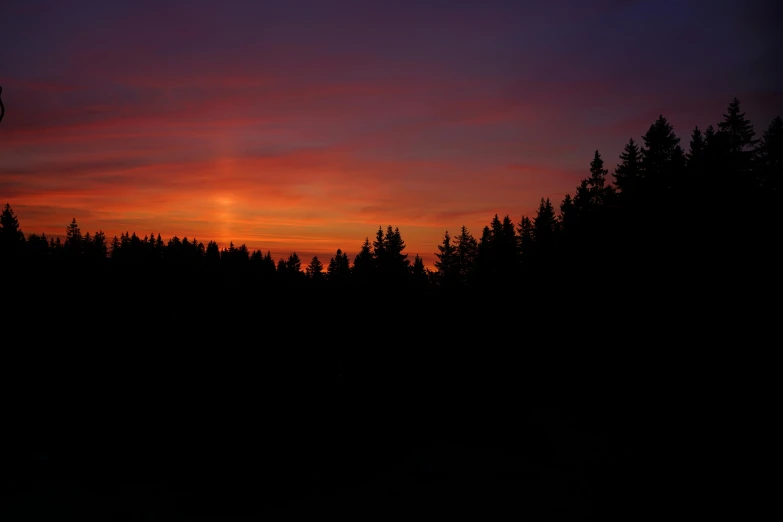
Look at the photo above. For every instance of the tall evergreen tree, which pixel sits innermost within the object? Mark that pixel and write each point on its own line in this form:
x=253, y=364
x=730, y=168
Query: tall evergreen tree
x=73, y=246
x=737, y=129
x=467, y=252
x=12, y=241
x=212, y=254
x=695, y=156
x=100, y=249
x=485, y=261
x=734, y=150
x=567, y=221
x=661, y=148
x=315, y=270
x=242, y=254
x=419, y=273
x=525, y=232
x=73, y=235
x=394, y=247
x=338, y=270
x=115, y=249
x=628, y=173
x=583, y=201
x=269, y=269
x=379, y=248
x=601, y=193
x=448, y=270
x=363, y=263
x=294, y=264
x=544, y=225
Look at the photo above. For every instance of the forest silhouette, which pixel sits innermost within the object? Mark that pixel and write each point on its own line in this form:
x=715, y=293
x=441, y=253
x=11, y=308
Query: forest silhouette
x=222, y=382
x=638, y=216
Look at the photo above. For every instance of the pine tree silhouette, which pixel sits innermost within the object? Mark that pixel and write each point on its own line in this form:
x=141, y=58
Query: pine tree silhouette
x=628, y=173
x=12, y=241
x=448, y=269
x=315, y=270
x=466, y=254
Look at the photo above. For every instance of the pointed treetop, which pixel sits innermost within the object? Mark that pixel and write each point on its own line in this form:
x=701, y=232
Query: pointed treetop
x=737, y=128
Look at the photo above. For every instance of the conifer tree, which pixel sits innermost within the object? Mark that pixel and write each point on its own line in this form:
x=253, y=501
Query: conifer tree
x=525, y=232
x=448, y=270
x=600, y=193
x=485, y=261
x=567, y=220
x=212, y=254
x=379, y=248
x=544, y=225
x=661, y=148
x=315, y=270
x=294, y=264
x=363, y=262
x=467, y=252
x=73, y=235
x=397, y=264
x=695, y=155
x=115, y=249
x=12, y=241
x=338, y=270
x=74, y=242
x=419, y=273
x=737, y=129
x=628, y=173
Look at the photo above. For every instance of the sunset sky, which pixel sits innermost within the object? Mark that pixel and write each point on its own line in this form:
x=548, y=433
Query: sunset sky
x=304, y=125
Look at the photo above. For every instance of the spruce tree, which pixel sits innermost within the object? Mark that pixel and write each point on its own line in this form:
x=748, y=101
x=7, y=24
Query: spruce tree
x=601, y=193
x=628, y=173
x=737, y=129
x=467, y=252
x=315, y=270
x=394, y=246
x=485, y=261
x=294, y=264
x=363, y=263
x=12, y=239
x=338, y=270
x=695, y=156
x=419, y=274
x=660, y=146
x=448, y=270
x=379, y=248
x=212, y=254
x=73, y=246
x=73, y=235
x=525, y=232
x=544, y=225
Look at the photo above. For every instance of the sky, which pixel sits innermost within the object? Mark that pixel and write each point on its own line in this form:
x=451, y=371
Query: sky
x=303, y=125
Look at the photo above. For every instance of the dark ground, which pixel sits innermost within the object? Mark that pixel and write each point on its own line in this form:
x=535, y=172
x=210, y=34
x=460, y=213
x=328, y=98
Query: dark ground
x=231, y=410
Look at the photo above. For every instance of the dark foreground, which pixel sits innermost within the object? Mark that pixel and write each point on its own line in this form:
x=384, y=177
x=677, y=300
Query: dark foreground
x=322, y=405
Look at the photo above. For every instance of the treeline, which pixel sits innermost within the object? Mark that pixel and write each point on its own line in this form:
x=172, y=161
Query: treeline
x=664, y=208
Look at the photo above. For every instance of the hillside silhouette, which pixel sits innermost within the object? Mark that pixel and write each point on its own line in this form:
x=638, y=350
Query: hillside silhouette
x=544, y=362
